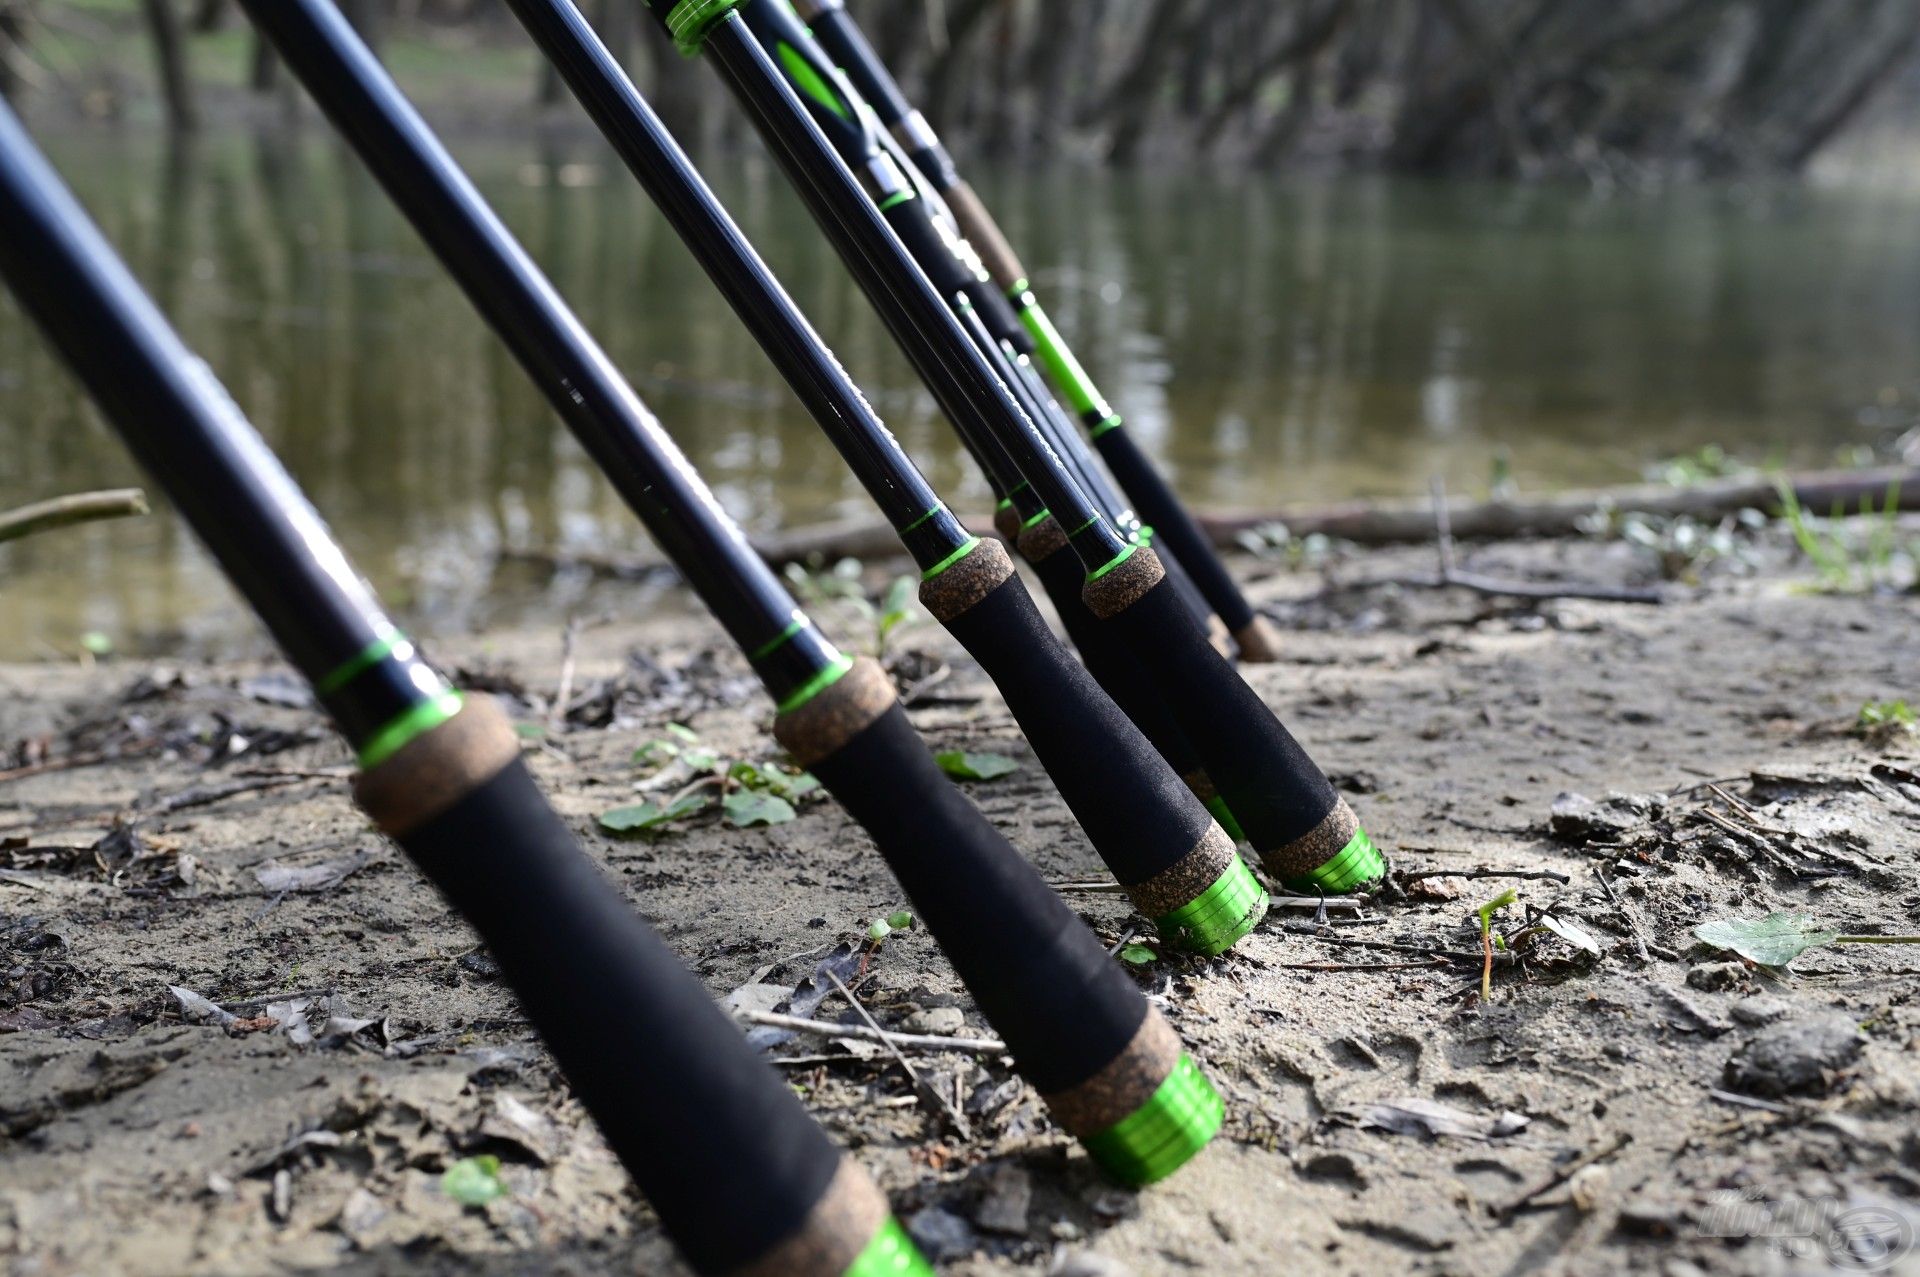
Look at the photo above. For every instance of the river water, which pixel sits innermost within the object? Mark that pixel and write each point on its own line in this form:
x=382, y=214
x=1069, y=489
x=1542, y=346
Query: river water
x=1273, y=341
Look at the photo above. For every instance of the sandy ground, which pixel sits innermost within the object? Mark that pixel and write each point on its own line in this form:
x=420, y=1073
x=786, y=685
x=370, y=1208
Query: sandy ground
x=1651, y=1107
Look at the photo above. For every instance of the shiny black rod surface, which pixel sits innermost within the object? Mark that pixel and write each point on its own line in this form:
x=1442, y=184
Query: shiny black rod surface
x=617, y=428
x=905, y=498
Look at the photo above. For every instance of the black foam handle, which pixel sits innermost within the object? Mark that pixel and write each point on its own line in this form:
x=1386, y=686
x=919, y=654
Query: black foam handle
x=1139, y=815
x=1041, y=979
x=1183, y=584
x=1273, y=789
x=1162, y=508
x=718, y=1144
x=1111, y=662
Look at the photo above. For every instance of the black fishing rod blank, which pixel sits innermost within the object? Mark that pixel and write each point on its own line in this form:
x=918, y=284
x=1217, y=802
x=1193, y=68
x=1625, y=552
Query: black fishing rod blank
x=844, y=42
x=1304, y=831
x=1107, y=1064
x=1180, y=869
x=848, y=128
x=736, y=1170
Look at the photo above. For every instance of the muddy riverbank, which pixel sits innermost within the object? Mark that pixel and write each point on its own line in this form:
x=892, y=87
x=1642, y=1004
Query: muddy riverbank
x=1629, y=1100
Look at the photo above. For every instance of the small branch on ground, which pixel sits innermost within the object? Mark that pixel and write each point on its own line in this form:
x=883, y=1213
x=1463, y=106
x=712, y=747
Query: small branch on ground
x=886, y=1037
x=1538, y=875
x=80, y=507
x=1451, y=577
x=927, y=1092
x=1563, y=1174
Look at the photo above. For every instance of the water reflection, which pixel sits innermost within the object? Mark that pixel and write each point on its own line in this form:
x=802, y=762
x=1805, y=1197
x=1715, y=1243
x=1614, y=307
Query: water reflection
x=1273, y=341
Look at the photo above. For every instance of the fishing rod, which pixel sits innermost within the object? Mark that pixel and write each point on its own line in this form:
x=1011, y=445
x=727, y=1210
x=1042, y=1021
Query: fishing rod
x=927, y=227
x=737, y=1171
x=1179, y=867
x=1109, y=1067
x=1104, y=651
x=1304, y=831
x=847, y=46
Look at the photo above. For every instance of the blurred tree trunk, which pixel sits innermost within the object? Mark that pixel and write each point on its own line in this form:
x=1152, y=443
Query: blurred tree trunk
x=367, y=17
x=1136, y=95
x=963, y=18
x=13, y=46
x=170, y=56
x=263, y=71
x=211, y=15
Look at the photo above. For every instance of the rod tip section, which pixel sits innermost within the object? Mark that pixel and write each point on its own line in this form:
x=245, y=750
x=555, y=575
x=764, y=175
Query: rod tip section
x=1146, y=1114
x=817, y=727
x=1335, y=856
x=1258, y=641
x=1205, y=901
x=848, y=1233
x=439, y=767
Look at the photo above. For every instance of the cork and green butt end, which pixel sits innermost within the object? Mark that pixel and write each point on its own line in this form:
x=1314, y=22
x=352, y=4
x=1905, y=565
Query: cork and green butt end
x=1180, y=1118
x=1334, y=857
x=1355, y=865
x=1216, y=919
x=891, y=1253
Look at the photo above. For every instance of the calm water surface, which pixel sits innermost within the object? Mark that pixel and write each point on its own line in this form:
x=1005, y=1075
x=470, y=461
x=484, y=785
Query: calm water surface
x=1272, y=341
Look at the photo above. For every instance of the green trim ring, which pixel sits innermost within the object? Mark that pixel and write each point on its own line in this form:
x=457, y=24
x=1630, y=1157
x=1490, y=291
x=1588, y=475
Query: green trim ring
x=1037, y=519
x=1356, y=863
x=690, y=20
x=891, y=1253
x=938, y=506
x=367, y=657
x=951, y=559
x=827, y=677
x=1109, y=422
x=1162, y=1135
x=1221, y=813
x=898, y=197
x=772, y=645
x=407, y=726
x=1114, y=562
x=1213, y=921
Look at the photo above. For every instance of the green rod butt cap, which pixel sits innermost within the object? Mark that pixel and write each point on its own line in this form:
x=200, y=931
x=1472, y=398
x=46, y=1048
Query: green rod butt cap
x=1357, y=863
x=1218, y=806
x=891, y=1253
x=1213, y=921
x=1162, y=1135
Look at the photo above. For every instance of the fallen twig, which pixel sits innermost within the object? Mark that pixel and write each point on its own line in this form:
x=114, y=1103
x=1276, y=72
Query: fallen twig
x=1450, y=575
x=920, y=1084
x=1564, y=1173
x=80, y=507
x=1633, y=928
x=1430, y=963
x=886, y=1037
x=1312, y=932
x=1546, y=875
x=1747, y=1101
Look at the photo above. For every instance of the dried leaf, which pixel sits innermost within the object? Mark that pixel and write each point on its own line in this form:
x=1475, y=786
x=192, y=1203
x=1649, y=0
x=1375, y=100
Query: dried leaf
x=968, y=766
x=474, y=1181
x=746, y=807
x=1773, y=941
x=1573, y=935
x=1416, y=1116
x=651, y=815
